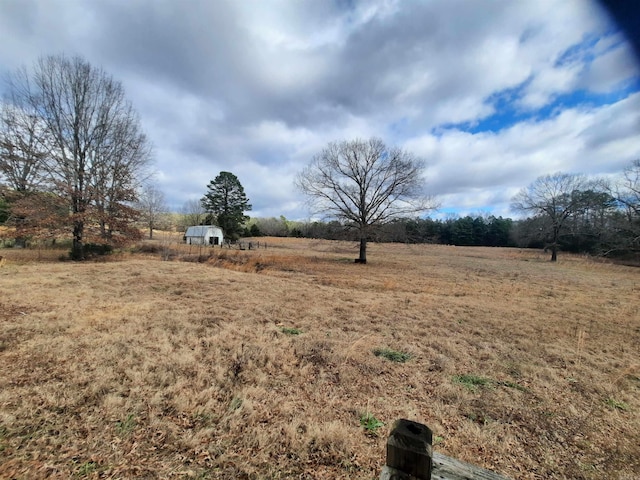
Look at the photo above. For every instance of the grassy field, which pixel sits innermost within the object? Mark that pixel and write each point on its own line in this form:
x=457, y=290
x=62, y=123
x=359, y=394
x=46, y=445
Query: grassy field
x=292, y=362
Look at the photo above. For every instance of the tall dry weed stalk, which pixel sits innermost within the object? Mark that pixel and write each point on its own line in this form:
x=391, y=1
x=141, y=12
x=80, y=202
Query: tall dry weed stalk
x=581, y=342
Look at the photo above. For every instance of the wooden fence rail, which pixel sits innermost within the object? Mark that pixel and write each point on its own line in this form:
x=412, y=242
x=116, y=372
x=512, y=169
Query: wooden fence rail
x=410, y=457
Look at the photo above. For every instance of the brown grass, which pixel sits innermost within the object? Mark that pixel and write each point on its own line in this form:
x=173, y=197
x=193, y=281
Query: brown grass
x=143, y=368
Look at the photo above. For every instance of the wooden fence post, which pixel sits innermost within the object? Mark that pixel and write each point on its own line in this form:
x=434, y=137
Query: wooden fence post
x=409, y=452
x=410, y=456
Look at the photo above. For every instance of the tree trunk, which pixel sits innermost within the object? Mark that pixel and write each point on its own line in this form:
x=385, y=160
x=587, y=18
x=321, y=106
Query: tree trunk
x=554, y=245
x=150, y=232
x=77, y=248
x=363, y=250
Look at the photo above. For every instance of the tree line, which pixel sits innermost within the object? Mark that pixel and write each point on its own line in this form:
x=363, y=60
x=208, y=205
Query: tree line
x=73, y=155
x=565, y=212
x=74, y=159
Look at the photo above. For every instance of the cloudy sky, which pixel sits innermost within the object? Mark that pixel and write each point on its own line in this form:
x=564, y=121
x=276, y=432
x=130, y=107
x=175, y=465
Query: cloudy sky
x=491, y=93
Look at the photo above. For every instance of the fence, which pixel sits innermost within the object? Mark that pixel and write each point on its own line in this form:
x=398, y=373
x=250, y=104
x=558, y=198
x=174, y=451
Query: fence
x=246, y=245
x=410, y=457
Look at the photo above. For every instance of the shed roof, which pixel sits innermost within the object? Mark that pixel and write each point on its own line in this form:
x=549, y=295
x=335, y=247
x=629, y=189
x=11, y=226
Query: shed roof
x=200, y=230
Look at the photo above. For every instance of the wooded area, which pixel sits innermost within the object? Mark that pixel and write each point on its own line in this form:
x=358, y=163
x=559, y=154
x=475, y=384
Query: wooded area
x=599, y=218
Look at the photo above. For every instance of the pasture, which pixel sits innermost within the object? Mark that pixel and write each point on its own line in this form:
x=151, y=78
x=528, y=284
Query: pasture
x=260, y=364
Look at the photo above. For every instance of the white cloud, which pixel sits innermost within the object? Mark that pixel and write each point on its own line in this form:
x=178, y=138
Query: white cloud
x=465, y=166
x=259, y=87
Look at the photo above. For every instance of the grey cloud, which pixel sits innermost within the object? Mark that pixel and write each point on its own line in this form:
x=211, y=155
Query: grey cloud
x=258, y=87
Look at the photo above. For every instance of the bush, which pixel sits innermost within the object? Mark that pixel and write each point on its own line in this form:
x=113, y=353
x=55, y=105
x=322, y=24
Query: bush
x=147, y=248
x=91, y=250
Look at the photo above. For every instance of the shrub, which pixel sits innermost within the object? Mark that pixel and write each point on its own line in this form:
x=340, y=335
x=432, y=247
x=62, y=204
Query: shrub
x=96, y=249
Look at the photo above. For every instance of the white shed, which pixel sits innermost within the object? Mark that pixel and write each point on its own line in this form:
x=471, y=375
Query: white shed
x=203, y=235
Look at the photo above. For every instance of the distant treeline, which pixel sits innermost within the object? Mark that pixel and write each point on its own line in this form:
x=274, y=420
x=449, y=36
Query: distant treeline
x=603, y=231
x=479, y=231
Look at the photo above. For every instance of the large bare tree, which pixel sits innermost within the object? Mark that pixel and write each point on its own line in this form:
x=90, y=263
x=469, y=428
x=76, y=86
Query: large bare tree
x=365, y=184
x=152, y=206
x=554, y=198
x=97, y=151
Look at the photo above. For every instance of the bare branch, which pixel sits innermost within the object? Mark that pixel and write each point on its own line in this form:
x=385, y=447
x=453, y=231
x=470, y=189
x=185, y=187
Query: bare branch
x=364, y=183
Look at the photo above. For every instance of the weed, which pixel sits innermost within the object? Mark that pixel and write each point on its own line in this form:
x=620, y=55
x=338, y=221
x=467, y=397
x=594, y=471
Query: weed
x=238, y=363
x=437, y=440
x=291, y=331
x=392, y=355
x=370, y=423
x=125, y=427
x=614, y=404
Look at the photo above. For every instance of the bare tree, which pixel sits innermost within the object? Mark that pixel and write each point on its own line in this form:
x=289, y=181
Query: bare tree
x=116, y=182
x=193, y=213
x=151, y=205
x=97, y=149
x=552, y=197
x=364, y=184
x=628, y=189
x=627, y=193
x=23, y=145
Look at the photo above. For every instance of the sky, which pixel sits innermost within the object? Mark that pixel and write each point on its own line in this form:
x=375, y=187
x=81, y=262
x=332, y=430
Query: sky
x=490, y=93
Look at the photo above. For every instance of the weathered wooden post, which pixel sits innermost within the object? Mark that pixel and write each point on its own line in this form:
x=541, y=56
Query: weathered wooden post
x=410, y=456
x=409, y=452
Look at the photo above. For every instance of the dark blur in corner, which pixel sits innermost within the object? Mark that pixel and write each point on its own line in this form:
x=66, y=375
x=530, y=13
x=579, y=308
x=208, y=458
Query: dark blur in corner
x=626, y=14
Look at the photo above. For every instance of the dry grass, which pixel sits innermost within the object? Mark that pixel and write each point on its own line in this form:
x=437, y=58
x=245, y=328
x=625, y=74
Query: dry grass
x=143, y=368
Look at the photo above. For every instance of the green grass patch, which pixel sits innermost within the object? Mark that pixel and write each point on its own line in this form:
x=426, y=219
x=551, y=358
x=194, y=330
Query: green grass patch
x=291, y=331
x=614, y=404
x=471, y=382
x=86, y=469
x=392, y=355
x=126, y=426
